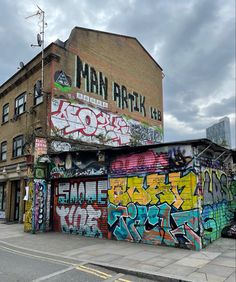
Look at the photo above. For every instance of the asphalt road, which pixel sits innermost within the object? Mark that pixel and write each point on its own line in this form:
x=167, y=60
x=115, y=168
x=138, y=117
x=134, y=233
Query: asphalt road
x=21, y=266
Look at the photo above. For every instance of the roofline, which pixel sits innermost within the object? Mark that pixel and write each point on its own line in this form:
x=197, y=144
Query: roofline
x=202, y=141
x=88, y=29
x=125, y=36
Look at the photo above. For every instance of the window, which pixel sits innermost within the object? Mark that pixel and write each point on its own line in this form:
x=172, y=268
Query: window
x=38, y=97
x=5, y=113
x=20, y=103
x=2, y=197
x=18, y=143
x=3, y=152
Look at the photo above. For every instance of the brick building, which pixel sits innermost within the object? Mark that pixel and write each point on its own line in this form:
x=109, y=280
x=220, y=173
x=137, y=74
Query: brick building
x=99, y=88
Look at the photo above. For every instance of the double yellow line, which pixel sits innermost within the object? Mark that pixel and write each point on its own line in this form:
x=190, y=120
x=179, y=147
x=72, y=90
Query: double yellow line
x=98, y=273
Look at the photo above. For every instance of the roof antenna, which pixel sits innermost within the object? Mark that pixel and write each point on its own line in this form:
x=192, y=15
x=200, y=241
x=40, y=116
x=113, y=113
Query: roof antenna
x=21, y=65
x=40, y=38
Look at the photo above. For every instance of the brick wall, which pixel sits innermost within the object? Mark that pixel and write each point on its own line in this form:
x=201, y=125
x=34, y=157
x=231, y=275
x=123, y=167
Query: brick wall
x=132, y=79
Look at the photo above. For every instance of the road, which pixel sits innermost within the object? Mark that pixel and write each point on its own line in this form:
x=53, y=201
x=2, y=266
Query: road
x=21, y=266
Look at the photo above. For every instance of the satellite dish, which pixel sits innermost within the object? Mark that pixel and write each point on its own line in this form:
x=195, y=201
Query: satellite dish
x=39, y=40
x=38, y=87
x=21, y=65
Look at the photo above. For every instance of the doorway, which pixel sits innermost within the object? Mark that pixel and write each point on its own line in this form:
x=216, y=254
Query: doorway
x=15, y=200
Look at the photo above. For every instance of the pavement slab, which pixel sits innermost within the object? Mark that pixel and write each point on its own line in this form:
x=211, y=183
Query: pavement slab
x=122, y=251
x=177, y=269
x=141, y=256
x=225, y=261
x=148, y=267
x=231, y=278
x=175, y=255
x=127, y=262
x=204, y=255
x=229, y=253
x=194, y=262
x=202, y=277
x=107, y=258
x=161, y=262
x=218, y=270
x=197, y=276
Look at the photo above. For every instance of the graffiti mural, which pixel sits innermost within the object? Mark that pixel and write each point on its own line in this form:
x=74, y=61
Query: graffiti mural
x=81, y=207
x=62, y=81
x=62, y=167
x=154, y=204
x=40, y=205
x=168, y=196
x=93, y=125
x=179, y=157
x=149, y=161
x=29, y=207
x=217, y=210
x=155, y=189
x=59, y=146
x=168, y=159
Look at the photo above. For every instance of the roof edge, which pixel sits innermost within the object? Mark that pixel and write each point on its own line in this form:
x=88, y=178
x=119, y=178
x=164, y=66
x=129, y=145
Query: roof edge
x=121, y=35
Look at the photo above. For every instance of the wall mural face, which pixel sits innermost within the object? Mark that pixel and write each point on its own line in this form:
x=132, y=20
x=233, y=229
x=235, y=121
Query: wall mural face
x=80, y=207
x=73, y=165
x=217, y=204
x=93, y=125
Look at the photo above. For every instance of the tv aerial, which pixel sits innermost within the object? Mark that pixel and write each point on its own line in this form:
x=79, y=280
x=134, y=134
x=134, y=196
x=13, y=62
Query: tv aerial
x=21, y=65
x=40, y=37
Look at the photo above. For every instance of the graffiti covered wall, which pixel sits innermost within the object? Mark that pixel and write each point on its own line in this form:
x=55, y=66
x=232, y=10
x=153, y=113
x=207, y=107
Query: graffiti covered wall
x=37, y=207
x=93, y=125
x=70, y=165
x=29, y=208
x=169, y=196
x=40, y=205
x=80, y=207
x=158, y=201
x=218, y=203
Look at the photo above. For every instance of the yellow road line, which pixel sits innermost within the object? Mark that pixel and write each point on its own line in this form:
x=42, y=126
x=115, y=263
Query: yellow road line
x=91, y=272
x=103, y=273
x=97, y=271
x=124, y=280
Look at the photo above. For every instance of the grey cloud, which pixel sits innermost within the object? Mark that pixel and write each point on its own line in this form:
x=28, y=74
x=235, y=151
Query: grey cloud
x=226, y=106
x=195, y=39
x=15, y=41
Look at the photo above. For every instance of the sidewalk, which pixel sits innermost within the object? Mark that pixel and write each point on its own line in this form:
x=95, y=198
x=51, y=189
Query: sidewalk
x=214, y=263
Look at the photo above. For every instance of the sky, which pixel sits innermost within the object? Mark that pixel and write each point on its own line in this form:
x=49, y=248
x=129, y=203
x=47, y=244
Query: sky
x=192, y=40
